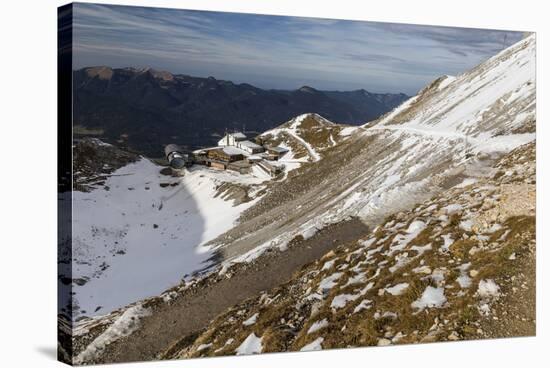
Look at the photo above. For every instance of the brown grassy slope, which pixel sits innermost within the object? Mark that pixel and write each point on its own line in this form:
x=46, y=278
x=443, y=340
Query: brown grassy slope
x=486, y=275
x=320, y=133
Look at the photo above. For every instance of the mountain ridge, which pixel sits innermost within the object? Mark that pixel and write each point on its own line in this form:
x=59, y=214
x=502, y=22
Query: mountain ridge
x=143, y=109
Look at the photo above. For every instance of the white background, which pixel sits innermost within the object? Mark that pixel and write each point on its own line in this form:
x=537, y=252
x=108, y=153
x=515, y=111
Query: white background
x=28, y=142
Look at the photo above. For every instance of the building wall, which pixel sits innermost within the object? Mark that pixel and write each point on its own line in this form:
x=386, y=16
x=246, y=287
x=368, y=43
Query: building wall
x=249, y=149
x=217, y=165
x=228, y=140
x=218, y=154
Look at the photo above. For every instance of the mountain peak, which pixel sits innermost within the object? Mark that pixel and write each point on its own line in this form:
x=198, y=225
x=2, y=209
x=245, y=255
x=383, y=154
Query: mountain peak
x=102, y=72
x=160, y=74
x=364, y=92
x=307, y=89
x=306, y=136
x=503, y=85
x=307, y=121
x=178, y=100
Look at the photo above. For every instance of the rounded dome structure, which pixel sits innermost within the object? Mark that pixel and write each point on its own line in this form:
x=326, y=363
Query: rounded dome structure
x=177, y=163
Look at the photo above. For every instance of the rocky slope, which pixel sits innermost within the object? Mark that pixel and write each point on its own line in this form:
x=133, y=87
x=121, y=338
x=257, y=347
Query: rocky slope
x=94, y=161
x=437, y=201
x=458, y=266
x=448, y=132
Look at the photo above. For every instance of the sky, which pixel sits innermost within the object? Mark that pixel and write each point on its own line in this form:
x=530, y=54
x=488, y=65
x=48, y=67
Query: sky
x=279, y=52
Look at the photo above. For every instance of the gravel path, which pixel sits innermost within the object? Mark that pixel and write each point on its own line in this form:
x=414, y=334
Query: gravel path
x=191, y=313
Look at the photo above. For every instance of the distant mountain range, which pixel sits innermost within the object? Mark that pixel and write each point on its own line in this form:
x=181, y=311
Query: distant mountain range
x=144, y=109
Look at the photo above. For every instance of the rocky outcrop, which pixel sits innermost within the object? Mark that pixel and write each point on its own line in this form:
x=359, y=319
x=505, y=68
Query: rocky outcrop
x=94, y=161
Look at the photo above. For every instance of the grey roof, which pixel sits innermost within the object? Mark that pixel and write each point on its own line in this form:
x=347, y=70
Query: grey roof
x=232, y=150
x=250, y=144
x=238, y=135
x=278, y=149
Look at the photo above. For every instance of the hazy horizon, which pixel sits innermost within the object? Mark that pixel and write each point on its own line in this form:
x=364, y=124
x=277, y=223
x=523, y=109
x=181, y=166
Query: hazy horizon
x=279, y=52
x=227, y=80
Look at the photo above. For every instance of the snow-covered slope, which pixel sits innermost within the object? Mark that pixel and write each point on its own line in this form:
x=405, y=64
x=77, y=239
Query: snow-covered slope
x=453, y=129
x=141, y=232
x=489, y=110
x=494, y=99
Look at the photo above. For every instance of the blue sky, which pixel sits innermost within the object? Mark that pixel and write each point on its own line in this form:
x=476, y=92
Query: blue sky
x=279, y=52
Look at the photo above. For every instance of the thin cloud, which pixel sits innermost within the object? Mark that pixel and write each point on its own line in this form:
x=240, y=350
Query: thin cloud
x=280, y=52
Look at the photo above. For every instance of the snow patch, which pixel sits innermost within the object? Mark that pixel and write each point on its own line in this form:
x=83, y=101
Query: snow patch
x=329, y=282
x=328, y=265
x=341, y=300
x=315, y=345
x=447, y=242
x=251, y=320
x=401, y=240
x=488, y=289
x=251, y=345
x=464, y=281
x=125, y=325
x=347, y=131
x=397, y=289
x=452, y=208
x=204, y=347
x=431, y=298
x=316, y=326
x=365, y=304
x=466, y=182
x=466, y=225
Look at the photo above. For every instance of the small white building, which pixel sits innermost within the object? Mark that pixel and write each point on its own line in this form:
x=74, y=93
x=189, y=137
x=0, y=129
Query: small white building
x=239, y=141
x=230, y=139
